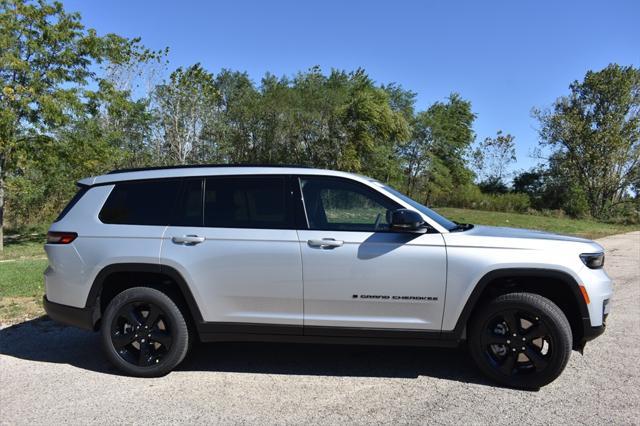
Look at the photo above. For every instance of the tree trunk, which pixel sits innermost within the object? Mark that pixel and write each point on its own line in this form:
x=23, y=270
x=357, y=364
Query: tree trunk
x=1, y=210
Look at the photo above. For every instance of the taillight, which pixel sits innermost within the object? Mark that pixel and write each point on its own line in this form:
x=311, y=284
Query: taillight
x=61, y=237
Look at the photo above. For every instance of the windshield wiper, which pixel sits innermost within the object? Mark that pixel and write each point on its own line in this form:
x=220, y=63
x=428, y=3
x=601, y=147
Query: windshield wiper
x=461, y=227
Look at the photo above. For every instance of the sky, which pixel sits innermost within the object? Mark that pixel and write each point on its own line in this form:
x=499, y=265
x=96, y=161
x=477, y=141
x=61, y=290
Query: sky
x=506, y=57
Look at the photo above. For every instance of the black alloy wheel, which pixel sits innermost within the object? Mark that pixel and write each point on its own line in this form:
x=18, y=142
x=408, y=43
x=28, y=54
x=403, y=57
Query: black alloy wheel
x=141, y=333
x=517, y=342
x=521, y=340
x=144, y=333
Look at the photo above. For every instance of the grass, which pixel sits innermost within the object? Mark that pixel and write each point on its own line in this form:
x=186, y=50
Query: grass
x=24, y=243
x=21, y=289
x=560, y=225
x=23, y=260
x=21, y=283
x=22, y=278
x=22, y=250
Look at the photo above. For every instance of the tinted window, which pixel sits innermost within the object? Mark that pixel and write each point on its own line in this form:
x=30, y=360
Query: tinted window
x=141, y=203
x=247, y=202
x=189, y=208
x=341, y=205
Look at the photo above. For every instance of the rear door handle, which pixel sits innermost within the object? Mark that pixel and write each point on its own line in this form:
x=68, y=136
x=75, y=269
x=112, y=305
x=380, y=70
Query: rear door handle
x=325, y=243
x=188, y=239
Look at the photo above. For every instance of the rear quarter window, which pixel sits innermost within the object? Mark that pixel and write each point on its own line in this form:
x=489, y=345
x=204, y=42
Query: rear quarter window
x=83, y=190
x=141, y=203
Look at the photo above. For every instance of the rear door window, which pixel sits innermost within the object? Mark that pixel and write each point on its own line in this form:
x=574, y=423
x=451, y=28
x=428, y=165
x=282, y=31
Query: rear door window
x=141, y=203
x=248, y=202
x=189, y=210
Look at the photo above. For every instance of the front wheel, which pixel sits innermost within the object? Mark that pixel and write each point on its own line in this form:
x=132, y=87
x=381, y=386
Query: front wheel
x=521, y=340
x=144, y=333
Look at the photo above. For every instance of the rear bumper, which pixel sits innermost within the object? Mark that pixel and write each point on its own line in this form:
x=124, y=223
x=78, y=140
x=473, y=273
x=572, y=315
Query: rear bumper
x=77, y=317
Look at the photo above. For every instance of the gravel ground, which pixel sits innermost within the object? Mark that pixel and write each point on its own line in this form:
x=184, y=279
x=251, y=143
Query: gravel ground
x=52, y=374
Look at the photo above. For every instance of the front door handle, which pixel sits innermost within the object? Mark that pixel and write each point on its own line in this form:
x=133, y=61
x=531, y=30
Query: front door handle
x=325, y=243
x=188, y=239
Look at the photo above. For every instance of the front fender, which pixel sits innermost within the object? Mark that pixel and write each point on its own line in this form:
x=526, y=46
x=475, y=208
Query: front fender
x=460, y=313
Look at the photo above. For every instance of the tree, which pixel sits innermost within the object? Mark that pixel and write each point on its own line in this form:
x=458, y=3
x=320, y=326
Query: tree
x=595, y=131
x=371, y=128
x=492, y=159
x=530, y=182
x=341, y=120
x=186, y=106
x=236, y=127
x=46, y=58
x=114, y=118
x=435, y=156
x=401, y=100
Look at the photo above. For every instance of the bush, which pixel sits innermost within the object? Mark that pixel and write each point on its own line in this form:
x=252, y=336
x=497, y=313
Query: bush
x=575, y=202
x=29, y=201
x=626, y=213
x=470, y=197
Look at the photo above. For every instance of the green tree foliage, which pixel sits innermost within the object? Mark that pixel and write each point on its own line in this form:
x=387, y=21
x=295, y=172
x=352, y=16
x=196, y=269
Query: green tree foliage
x=434, y=157
x=401, y=100
x=46, y=58
x=371, y=128
x=594, y=133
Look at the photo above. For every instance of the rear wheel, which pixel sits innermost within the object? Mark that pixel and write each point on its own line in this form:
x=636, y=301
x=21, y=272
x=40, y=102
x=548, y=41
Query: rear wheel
x=144, y=333
x=520, y=340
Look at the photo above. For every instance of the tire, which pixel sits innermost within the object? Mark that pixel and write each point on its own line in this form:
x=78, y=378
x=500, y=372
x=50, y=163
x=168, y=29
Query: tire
x=520, y=340
x=144, y=333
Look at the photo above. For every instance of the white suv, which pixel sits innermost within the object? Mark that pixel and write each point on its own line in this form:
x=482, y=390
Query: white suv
x=156, y=258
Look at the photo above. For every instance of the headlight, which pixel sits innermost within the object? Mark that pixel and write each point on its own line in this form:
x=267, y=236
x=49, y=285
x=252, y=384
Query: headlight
x=593, y=260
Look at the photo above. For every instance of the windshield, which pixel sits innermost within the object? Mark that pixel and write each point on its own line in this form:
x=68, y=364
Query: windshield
x=441, y=220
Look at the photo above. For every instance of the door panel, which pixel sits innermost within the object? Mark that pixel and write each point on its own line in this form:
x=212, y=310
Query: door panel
x=376, y=280
x=240, y=275
x=356, y=271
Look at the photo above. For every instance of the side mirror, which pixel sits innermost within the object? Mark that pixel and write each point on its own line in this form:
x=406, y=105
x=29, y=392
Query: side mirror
x=406, y=220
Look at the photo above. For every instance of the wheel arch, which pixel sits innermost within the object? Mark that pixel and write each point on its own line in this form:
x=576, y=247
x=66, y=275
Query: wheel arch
x=163, y=277
x=559, y=286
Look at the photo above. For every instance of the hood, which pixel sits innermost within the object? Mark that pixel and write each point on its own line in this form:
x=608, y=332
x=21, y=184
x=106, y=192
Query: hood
x=504, y=232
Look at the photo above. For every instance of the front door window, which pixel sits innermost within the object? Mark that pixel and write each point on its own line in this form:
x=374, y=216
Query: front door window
x=340, y=205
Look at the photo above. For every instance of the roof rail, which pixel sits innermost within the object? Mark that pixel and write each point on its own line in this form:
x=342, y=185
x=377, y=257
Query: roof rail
x=141, y=169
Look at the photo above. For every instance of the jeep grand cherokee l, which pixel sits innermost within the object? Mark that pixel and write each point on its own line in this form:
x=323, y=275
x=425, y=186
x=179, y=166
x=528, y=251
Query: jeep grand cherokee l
x=156, y=258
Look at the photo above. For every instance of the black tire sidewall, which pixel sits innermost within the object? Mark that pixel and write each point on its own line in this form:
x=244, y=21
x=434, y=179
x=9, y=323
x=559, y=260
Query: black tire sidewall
x=550, y=315
x=178, y=329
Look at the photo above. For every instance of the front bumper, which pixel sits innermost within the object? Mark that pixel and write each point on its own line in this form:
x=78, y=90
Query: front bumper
x=599, y=287
x=589, y=333
x=77, y=317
